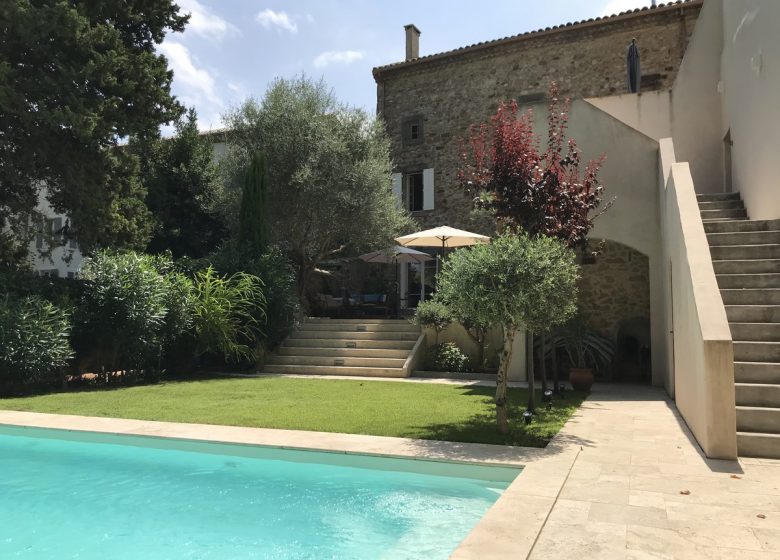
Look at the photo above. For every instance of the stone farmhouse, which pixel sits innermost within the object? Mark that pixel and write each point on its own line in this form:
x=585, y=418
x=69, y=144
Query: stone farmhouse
x=685, y=284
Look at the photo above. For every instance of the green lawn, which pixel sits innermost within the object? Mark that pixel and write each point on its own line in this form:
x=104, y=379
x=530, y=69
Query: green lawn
x=383, y=408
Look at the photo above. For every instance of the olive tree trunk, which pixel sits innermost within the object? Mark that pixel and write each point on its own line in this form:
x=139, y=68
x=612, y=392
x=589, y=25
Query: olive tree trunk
x=502, y=418
x=529, y=362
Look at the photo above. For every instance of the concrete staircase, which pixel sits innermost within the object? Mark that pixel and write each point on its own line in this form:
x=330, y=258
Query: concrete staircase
x=746, y=257
x=361, y=347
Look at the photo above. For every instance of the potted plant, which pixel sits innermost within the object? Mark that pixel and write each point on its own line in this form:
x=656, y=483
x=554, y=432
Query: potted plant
x=587, y=350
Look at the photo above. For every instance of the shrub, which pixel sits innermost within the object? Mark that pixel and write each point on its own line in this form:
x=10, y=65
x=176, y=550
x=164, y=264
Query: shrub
x=279, y=286
x=34, y=341
x=121, y=320
x=433, y=314
x=224, y=313
x=448, y=357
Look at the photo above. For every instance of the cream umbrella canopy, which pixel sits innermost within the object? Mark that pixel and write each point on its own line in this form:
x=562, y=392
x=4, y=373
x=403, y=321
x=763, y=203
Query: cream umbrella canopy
x=442, y=236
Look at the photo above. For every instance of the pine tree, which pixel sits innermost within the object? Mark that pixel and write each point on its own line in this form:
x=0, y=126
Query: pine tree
x=252, y=232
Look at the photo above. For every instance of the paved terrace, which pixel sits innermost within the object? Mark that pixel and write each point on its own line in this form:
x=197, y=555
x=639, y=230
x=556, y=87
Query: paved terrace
x=624, y=479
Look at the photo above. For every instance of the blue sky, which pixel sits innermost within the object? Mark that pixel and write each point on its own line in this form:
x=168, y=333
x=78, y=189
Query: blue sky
x=233, y=49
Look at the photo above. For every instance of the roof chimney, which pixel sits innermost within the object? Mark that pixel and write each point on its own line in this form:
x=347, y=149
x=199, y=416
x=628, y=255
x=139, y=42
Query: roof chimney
x=412, y=41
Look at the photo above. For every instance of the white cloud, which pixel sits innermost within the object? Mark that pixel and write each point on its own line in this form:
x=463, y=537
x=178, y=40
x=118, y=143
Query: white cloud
x=268, y=18
x=617, y=6
x=337, y=57
x=197, y=83
x=204, y=22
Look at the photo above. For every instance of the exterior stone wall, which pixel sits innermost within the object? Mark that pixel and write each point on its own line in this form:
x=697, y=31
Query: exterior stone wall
x=451, y=91
x=615, y=289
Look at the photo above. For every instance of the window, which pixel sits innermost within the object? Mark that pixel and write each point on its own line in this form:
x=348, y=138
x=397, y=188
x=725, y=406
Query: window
x=412, y=131
x=413, y=192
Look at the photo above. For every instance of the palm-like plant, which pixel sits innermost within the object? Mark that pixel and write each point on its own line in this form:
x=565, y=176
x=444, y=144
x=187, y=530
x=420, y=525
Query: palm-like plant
x=584, y=346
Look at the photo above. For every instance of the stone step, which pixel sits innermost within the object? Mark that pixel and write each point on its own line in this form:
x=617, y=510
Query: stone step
x=720, y=204
x=342, y=352
x=758, y=395
x=329, y=321
x=753, y=313
x=742, y=225
x=335, y=370
x=724, y=213
x=748, y=280
x=355, y=335
x=361, y=327
x=757, y=266
x=743, y=238
x=760, y=332
x=750, y=296
x=758, y=445
x=707, y=197
x=758, y=419
x=338, y=361
x=349, y=343
x=757, y=372
x=754, y=351
x=744, y=252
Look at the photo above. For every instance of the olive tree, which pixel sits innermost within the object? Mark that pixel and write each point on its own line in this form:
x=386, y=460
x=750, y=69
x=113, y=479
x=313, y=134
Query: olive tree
x=328, y=168
x=514, y=281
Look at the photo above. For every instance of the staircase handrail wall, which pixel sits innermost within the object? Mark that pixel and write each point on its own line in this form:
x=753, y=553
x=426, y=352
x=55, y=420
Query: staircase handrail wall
x=701, y=355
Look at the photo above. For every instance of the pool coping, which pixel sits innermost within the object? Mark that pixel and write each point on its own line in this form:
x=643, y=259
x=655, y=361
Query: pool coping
x=509, y=527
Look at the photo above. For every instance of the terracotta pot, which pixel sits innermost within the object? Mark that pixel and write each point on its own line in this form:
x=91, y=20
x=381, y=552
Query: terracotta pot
x=581, y=378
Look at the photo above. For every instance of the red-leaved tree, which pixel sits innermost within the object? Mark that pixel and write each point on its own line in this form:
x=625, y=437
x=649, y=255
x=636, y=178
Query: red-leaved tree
x=524, y=187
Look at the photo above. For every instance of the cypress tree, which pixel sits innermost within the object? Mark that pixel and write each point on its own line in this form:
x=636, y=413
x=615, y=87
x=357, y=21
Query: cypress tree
x=252, y=229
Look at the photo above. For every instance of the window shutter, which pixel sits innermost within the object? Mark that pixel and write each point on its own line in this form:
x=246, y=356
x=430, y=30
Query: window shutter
x=397, y=191
x=428, y=189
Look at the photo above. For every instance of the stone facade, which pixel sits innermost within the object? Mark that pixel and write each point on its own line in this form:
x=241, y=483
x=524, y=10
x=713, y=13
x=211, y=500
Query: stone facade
x=615, y=288
x=446, y=93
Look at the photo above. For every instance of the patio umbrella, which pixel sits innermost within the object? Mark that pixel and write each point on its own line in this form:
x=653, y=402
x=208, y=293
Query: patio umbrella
x=442, y=236
x=634, y=70
x=395, y=255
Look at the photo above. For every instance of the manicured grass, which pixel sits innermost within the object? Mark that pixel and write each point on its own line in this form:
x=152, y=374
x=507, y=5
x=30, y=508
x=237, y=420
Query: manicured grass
x=383, y=408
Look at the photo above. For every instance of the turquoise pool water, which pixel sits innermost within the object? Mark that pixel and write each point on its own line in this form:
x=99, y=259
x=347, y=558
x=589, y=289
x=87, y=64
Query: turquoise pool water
x=93, y=496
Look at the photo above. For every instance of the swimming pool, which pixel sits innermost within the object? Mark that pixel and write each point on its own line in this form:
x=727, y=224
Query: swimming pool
x=96, y=496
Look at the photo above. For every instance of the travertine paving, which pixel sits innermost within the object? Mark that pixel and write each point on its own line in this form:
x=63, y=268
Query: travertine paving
x=640, y=488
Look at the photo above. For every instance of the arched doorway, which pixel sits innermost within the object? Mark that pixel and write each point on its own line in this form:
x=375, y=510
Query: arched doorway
x=614, y=298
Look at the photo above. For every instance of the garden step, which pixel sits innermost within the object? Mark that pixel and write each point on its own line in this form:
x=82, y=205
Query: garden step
x=757, y=372
x=361, y=327
x=338, y=361
x=756, y=351
x=335, y=370
x=707, y=197
x=758, y=419
x=753, y=313
x=749, y=296
x=329, y=321
x=771, y=280
x=741, y=225
x=760, y=332
x=758, y=445
x=744, y=252
x=356, y=335
x=753, y=266
x=350, y=343
x=720, y=204
x=743, y=238
x=758, y=395
x=342, y=352
x=724, y=213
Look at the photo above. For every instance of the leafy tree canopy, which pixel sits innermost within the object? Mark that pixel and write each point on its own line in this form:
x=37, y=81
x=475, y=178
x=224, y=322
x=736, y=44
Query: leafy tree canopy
x=328, y=168
x=75, y=77
x=181, y=180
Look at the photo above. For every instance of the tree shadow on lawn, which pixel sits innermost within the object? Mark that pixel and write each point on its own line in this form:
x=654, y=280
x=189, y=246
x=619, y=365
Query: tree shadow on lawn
x=481, y=428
